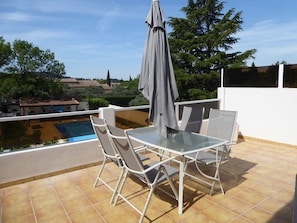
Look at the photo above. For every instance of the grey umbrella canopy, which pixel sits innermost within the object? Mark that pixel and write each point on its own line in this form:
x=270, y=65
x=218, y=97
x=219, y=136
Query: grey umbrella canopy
x=157, y=82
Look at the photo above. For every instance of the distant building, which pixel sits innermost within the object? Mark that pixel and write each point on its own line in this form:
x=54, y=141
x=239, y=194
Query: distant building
x=33, y=107
x=75, y=83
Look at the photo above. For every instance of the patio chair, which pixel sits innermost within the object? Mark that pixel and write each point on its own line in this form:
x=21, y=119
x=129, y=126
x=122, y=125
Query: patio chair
x=152, y=174
x=109, y=154
x=191, y=119
x=221, y=125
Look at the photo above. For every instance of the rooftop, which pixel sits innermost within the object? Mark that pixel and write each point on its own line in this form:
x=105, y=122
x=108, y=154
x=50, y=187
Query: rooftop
x=78, y=83
x=34, y=103
x=264, y=193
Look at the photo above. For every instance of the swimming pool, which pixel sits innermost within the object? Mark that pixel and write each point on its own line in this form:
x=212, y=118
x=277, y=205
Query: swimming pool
x=76, y=131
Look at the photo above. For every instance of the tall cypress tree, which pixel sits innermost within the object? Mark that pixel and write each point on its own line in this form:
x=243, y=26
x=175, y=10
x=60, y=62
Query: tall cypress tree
x=202, y=41
x=108, y=79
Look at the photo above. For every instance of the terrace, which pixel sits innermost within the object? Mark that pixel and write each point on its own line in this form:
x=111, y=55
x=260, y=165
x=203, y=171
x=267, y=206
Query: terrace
x=264, y=193
x=55, y=183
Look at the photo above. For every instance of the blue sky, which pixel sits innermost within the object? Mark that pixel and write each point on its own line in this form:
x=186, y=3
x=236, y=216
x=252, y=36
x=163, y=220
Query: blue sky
x=93, y=36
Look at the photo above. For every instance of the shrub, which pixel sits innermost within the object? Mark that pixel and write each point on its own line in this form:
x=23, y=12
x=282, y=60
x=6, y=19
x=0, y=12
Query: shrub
x=95, y=103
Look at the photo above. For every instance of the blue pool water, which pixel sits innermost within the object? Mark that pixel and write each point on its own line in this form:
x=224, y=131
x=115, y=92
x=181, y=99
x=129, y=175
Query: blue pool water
x=80, y=138
x=76, y=131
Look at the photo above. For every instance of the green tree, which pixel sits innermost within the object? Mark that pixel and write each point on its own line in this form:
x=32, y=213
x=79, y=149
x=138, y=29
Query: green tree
x=28, y=58
x=280, y=62
x=201, y=45
x=139, y=100
x=131, y=86
x=95, y=103
x=108, y=79
x=8, y=86
x=123, y=89
x=6, y=53
x=29, y=71
x=202, y=41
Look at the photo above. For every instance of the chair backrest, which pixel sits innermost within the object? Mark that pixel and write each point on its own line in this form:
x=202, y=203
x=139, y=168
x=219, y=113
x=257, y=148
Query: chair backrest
x=99, y=126
x=192, y=119
x=121, y=144
x=221, y=124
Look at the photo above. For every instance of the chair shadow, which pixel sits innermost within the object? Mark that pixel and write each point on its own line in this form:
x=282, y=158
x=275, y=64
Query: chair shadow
x=157, y=193
x=228, y=180
x=193, y=190
x=241, y=169
x=190, y=197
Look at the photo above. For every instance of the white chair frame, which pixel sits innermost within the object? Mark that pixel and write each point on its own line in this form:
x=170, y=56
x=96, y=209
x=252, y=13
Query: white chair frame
x=215, y=156
x=161, y=172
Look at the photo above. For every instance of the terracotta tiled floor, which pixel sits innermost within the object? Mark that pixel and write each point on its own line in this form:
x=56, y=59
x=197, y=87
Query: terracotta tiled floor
x=263, y=193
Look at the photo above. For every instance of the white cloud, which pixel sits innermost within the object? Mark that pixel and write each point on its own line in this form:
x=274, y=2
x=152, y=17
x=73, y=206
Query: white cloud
x=36, y=36
x=273, y=42
x=15, y=16
x=268, y=32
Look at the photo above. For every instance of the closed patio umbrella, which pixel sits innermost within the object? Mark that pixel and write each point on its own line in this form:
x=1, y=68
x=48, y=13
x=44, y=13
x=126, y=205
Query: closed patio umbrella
x=157, y=82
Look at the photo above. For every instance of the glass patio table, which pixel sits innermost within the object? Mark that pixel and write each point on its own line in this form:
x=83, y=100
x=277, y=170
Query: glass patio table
x=180, y=143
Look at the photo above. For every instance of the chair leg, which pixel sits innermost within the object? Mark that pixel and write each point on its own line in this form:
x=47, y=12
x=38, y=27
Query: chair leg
x=217, y=178
x=222, y=189
x=146, y=204
x=117, y=186
x=213, y=185
x=120, y=187
x=100, y=172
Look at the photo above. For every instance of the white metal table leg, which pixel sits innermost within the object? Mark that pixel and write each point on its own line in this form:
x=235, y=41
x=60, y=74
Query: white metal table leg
x=181, y=187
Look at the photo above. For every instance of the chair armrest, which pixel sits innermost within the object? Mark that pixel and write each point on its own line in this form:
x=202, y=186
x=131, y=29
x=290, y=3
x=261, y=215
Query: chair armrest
x=151, y=167
x=140, y=148
x=159, y=163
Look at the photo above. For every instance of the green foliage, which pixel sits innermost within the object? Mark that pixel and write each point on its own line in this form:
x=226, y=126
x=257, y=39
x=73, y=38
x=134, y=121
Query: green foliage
x=6, y=53
x=28, y=58
x=124, y=88
x=82, y=94
x=202, y=41
x=108, y=79
x=198, y=94
x=119, y=100
x=131, y=86
x=207, y=83
x=139, y=100
x=51, y=142
x=28, y=71
x=29, y=85
x=280, y=62
x=95, y=103
x=201, y=45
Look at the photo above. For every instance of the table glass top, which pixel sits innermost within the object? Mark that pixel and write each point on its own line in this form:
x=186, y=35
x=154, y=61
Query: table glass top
x=180, y=143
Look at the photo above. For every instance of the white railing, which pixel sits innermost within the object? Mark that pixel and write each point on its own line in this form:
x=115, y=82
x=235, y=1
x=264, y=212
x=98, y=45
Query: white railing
x=263, y=113
x=36, y=162
x=52, y=115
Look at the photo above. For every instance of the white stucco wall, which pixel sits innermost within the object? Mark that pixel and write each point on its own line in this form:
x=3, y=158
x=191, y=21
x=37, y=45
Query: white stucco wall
x=264, y=113
x=35, y=162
